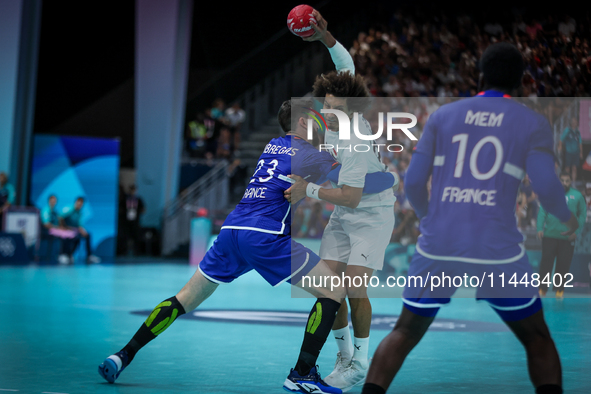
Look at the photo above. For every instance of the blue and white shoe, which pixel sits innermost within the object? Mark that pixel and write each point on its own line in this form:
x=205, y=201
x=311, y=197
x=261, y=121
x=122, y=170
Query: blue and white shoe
x=113, y=365
x=312, y=383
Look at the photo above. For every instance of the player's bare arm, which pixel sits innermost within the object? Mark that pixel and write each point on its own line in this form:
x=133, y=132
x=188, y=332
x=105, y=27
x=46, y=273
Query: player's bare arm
x=346, y=196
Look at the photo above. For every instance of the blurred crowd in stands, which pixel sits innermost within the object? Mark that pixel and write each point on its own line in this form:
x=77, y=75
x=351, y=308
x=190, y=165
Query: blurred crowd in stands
x=427, y=58
x=215, y=132
x=439, y=59
x=434, y=58
x=214, y=135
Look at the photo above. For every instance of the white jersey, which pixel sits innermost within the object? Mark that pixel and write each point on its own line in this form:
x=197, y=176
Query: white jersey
x=357, y=236
x=358, y=158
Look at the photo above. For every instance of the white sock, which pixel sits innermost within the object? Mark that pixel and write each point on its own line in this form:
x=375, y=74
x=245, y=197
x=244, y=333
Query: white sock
x=343, y=338
x=361, y=350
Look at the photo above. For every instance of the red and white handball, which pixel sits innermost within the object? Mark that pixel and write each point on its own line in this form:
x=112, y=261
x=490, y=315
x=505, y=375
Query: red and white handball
x=298, y=20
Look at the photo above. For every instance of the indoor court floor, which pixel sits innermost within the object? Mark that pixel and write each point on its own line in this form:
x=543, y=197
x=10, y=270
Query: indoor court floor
x=59, y=323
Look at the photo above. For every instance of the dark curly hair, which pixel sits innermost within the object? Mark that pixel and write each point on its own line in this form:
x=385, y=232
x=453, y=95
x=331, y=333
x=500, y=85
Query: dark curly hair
x=502, y=66
x=342, y=84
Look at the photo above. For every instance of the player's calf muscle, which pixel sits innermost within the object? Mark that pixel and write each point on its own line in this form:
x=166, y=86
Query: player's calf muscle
x=197, y=290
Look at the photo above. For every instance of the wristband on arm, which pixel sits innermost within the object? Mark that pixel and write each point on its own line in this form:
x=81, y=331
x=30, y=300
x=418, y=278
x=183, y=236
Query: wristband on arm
x=312, y=190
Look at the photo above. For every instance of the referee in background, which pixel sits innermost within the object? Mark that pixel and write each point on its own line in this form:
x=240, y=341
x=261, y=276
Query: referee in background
x=556, y=246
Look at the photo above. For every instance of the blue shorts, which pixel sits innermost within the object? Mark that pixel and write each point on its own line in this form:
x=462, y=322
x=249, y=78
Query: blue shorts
x=277, y=258
x=511, y=302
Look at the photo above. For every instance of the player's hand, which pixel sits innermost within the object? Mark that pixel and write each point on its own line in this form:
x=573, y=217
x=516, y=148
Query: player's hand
x=321, y=32
x=572, y=237
x=540, y=234
x=572, y=224
x=297, y=191
x=82, y=232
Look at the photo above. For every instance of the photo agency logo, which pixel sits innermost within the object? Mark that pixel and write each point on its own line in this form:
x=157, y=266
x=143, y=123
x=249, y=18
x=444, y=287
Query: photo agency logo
x=363, y=139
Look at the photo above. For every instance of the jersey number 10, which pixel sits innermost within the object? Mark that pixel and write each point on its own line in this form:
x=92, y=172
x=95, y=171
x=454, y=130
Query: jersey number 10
x=463, y=140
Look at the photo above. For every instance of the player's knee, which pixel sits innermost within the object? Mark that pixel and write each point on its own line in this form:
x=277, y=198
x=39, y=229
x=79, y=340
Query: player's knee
x=186, y=299
x=410, y=336
x=356, y=292
x=535, y=338
x=531, y=332
x=337, y=293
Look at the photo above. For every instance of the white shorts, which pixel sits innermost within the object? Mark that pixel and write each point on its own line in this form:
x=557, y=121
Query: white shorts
x=358, y=236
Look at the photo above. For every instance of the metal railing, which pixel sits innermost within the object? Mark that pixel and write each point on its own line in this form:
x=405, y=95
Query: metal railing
x=260, y=103
x=210, y=192
x=293, y=79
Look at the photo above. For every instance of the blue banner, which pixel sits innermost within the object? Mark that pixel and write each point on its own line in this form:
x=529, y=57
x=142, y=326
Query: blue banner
x=69, y=168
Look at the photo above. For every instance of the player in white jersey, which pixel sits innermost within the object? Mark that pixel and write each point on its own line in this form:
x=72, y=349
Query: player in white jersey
x=359, y=230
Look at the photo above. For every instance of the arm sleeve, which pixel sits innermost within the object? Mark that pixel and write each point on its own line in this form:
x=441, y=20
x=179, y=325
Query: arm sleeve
x=420, y=168
x=316, y=166
x=333, y=175
x=375, y=182
x=341, y=58
x=415, y=183
x=426, y=144
x=541, y=138
x=540, y=168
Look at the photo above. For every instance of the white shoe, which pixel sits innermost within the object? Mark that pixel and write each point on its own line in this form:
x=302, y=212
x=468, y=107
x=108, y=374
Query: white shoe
x=353, y=375
x=334, y=379
x=92, y=259
x=63, y=259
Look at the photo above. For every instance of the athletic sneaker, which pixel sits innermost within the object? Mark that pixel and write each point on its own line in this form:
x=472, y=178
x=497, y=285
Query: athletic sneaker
x=92, y=259
x=339, y=366
x=560, y=294
x=353, y=375
x=64, y=259
x=311, y=383
x=113, y=365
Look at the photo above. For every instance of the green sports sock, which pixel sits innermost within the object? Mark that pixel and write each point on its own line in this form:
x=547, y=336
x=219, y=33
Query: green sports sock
x=319, y=325
x=159, y=320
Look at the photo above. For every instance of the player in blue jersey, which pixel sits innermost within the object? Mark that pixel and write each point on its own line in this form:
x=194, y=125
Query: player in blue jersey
x=476, y=152
x=256, y=235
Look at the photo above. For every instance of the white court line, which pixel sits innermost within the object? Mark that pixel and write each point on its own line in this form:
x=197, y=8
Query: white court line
x=7, y=390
